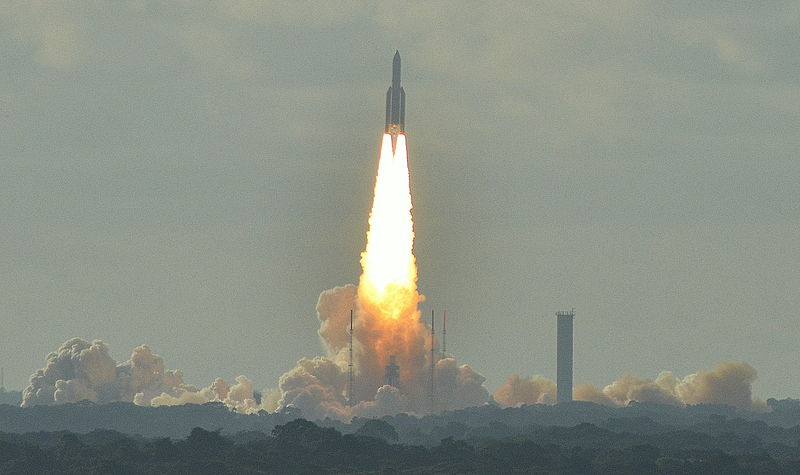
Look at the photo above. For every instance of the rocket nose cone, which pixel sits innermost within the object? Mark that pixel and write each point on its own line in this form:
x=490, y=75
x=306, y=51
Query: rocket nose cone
x=396, y=65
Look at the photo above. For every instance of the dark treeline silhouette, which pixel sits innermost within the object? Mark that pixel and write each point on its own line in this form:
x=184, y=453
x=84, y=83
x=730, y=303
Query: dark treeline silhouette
x=489, y=420
x=720, y=445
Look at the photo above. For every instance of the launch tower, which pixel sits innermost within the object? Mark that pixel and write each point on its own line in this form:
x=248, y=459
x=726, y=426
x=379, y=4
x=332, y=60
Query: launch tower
x=393, y=372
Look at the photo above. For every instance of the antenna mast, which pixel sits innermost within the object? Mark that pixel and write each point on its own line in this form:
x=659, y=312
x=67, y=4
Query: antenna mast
x=444, y=335
x=433, y=363
x=350, y=399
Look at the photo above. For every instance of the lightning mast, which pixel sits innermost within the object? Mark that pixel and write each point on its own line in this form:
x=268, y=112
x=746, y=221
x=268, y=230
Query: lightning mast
x=444, y=335
x=433, y=364
x=350, y=399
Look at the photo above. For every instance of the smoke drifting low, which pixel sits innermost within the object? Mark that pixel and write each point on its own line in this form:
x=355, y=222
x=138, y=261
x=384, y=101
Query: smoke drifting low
x=80, y=370
x=517, y=391
x=83, y=371
x=728, y=383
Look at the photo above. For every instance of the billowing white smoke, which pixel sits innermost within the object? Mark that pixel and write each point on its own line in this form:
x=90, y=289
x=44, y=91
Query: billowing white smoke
x=240, y=397
x=517, y=391
x=318, y=386
x=80, y=371
x=729, y=383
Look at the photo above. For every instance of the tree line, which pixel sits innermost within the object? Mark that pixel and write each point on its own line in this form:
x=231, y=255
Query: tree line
x=300, y=446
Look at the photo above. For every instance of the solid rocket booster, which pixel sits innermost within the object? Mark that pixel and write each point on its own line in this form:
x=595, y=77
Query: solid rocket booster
x=395, y=102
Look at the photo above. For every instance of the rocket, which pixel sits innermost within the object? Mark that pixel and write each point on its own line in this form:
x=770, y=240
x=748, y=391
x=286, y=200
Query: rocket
x=395, y=103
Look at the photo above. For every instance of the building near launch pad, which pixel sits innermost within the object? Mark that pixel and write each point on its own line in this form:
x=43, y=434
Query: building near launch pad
x=564, y=356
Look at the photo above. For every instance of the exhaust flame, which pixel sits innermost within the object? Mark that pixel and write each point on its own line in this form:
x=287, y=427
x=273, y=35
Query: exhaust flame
x=387, y=292
x=387, y=323
x=389, y=281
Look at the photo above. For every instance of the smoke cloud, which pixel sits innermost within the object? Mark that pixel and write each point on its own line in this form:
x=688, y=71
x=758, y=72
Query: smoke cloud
x=80, y=370
x=728, y=383
x=240, y=397
x=83, y=371
x=517, y=391
x=318, y=386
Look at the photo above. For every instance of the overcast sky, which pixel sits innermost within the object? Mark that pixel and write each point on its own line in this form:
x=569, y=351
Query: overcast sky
x=191, y=175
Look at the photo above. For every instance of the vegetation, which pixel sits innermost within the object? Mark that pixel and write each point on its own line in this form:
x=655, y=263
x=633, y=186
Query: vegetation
x=476, y=422
x=300, y=446
x=567, y=438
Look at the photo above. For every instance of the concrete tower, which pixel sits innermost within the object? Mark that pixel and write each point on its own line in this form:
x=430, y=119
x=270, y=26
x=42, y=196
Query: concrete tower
x=564, y=356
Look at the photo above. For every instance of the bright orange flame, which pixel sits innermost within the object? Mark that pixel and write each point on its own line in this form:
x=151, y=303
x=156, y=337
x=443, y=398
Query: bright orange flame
x=388, y=286
x=388, y=322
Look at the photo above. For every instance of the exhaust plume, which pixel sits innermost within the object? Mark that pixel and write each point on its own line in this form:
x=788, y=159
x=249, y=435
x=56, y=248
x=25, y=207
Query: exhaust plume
x=728, y=383
x=387, y=322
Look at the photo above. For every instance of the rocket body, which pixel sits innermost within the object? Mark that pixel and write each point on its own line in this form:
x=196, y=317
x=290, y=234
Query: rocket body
x=395, y=103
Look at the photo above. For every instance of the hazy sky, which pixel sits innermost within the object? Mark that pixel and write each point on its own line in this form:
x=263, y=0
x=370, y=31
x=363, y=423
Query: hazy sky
x=191, y=175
